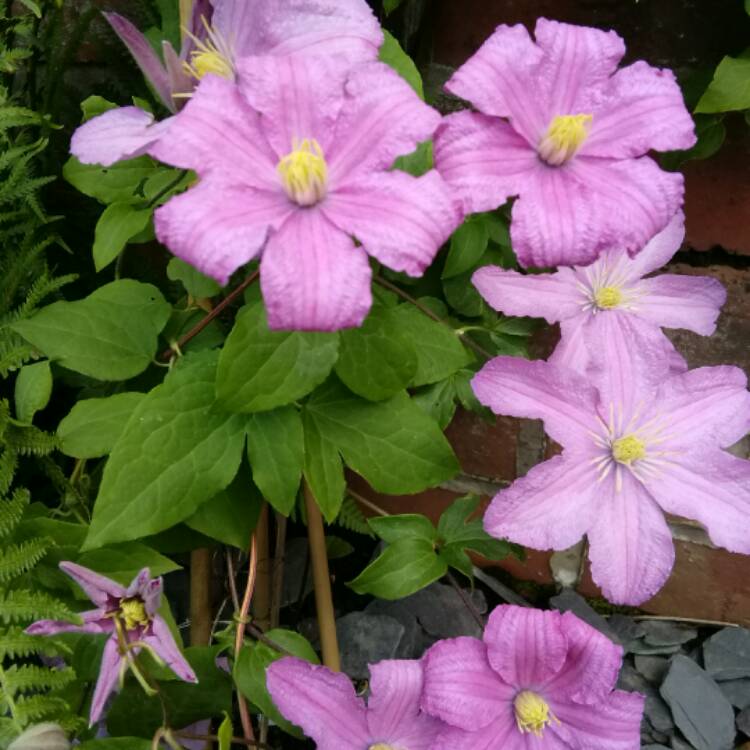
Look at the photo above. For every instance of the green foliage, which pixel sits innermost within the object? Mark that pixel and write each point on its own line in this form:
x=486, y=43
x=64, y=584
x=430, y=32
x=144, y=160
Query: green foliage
x=730, y=88
x=393, y=55
x=351, y=517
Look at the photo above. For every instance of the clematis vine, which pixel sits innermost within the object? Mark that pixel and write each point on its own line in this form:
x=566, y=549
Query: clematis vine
x=536, y=679
x=129, y=616
x=295, y=161
x=325, y=706
x=613, y=287
x=216, y=35
x=637, y=445
x=561, y=128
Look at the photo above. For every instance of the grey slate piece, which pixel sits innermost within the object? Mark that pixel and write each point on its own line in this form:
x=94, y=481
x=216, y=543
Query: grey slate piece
x=737, y=691
x=743, y=721
x=569, y=601
x=700, y=710
x=626, y=629
x=726, y=654
x=656, y=710
x=653, y=668
x=365, y=638
x=663, y=633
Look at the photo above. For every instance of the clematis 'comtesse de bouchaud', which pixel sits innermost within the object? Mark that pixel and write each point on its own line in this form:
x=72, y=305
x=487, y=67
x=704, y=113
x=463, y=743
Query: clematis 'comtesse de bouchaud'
x=129, y=615
x=216, y=35
x=638, y=445
x=325, y=706
x=582, y=299
x=559, y=126
x=296, y=161
x=536, y=680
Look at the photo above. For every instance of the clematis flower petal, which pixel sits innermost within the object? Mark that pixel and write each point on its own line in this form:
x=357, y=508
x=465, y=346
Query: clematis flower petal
x=381, y=118
x=614, y=724
x=676, y=301
x=399, y=219
x=122, y=133
x=93, y=622
x=179, y=81
x=313, y=276
x=525, y=646
x=322, y=702
x=642, y=109
x=552, y=296
x=550, y=508
x=144, y=55
x=572, y=351
x=151, y=594
x=565, y=400
x=218, y=227
x=461, y=688
x=163, y=643
x=217, y=131
x=109, y=672
x=711, y=487
x=658, y=251
x=631, y=565
x=577, y=59
x=97, y=587
x=499, y=80
x=483, y=159
x=500, y=734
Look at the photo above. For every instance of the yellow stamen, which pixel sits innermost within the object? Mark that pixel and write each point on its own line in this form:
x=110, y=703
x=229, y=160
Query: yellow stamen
x=564, y=137
x=532, y=713
x=304, y=172
x=133, y=613
x=212, y=55
x=381, y=746
x=627, y=449
x=608, y=297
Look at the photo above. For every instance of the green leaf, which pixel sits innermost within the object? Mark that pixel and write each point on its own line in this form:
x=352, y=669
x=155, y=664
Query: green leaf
x=117, y=743
x=225, y=733
x=323, y=469
x=376, y=361
x=117, y=225
x=439, y=351
x=120, y=182
x=93, y=106
x=260, y=369
x=250, y=671
x=109, y=335
x=406, y=566
x=33, y=390
x=438, y=401
x=711, y=132
x=418, y=162
x=176, y=452
x=276, y=449
x=730, y=88
x=393, y=55
x=467, y=246
x=462, y=296
x=390, y=5
x=33, y=7
x=93, y=425
x=196, y=284
x=393, y=444
x=406, y=526
x=122, y=562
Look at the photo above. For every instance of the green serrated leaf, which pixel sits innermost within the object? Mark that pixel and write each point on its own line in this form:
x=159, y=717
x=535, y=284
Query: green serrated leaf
x=730, y=88
x=260, y=369
x=176, y=452
x=323, y=469
x=467, y=246
x=406, y=526
x=93, y=425
x=376, y=360
x=196, y=284
x=32, y=390
x=120, y=182
x=117, y=225
x=405, y=567
x=276, y=449
x=394, y=56
x=109, y=335
x=438, y=401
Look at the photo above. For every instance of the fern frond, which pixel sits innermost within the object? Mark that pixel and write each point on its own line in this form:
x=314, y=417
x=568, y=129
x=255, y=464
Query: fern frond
x=16, y=117
x=351, y=517
x=42, y=288
x=12, y=509
x=28, y=440
x=26, y=678
x=17, y=559
x=35, y=707
x=22, y=605
x=15, y=643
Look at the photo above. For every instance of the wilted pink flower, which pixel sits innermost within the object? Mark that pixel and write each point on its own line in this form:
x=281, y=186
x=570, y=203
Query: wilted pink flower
x=325, y=706
x=561, y=127
x=536, y=680
x=296, y=162
x=613, y=287
x=129, y=616
x=639, y=444
x=217, y=35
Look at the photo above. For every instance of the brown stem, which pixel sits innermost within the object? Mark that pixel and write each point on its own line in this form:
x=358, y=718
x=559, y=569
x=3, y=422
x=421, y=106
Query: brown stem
x=430, y=314
x=200, y=597
x=262, y=596
x=259, y=635
x=322, y=583
x=277, y=573
x=167, y=354
x=232, y=578
x=466, y=600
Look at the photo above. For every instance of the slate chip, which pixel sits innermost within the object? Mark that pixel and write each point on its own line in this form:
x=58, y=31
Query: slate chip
x=653, y=668
x=700, y=710
x=569, y=601
x=626, y=629
x=663, y=633
x=656, y=710
x=365, y=638
x=743, y=721
x=726, y=654
x=737, y=691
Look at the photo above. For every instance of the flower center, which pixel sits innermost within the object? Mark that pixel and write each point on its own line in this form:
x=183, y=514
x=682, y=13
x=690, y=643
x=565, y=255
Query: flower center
x=627, y=449
x=564, y=137
x=532, y=713
x=381, y=746
x=133, y=613
x=211, y=55
x=304, y=173
x=608, y=297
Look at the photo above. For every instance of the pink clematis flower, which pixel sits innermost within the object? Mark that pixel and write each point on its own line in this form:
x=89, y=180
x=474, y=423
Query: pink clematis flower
x=537, y=679
x=217, y=35
x=325, y=706
x=638, y=445
x=296, y=162
x=612, y=287
x=559, y=126
x=129, y=616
